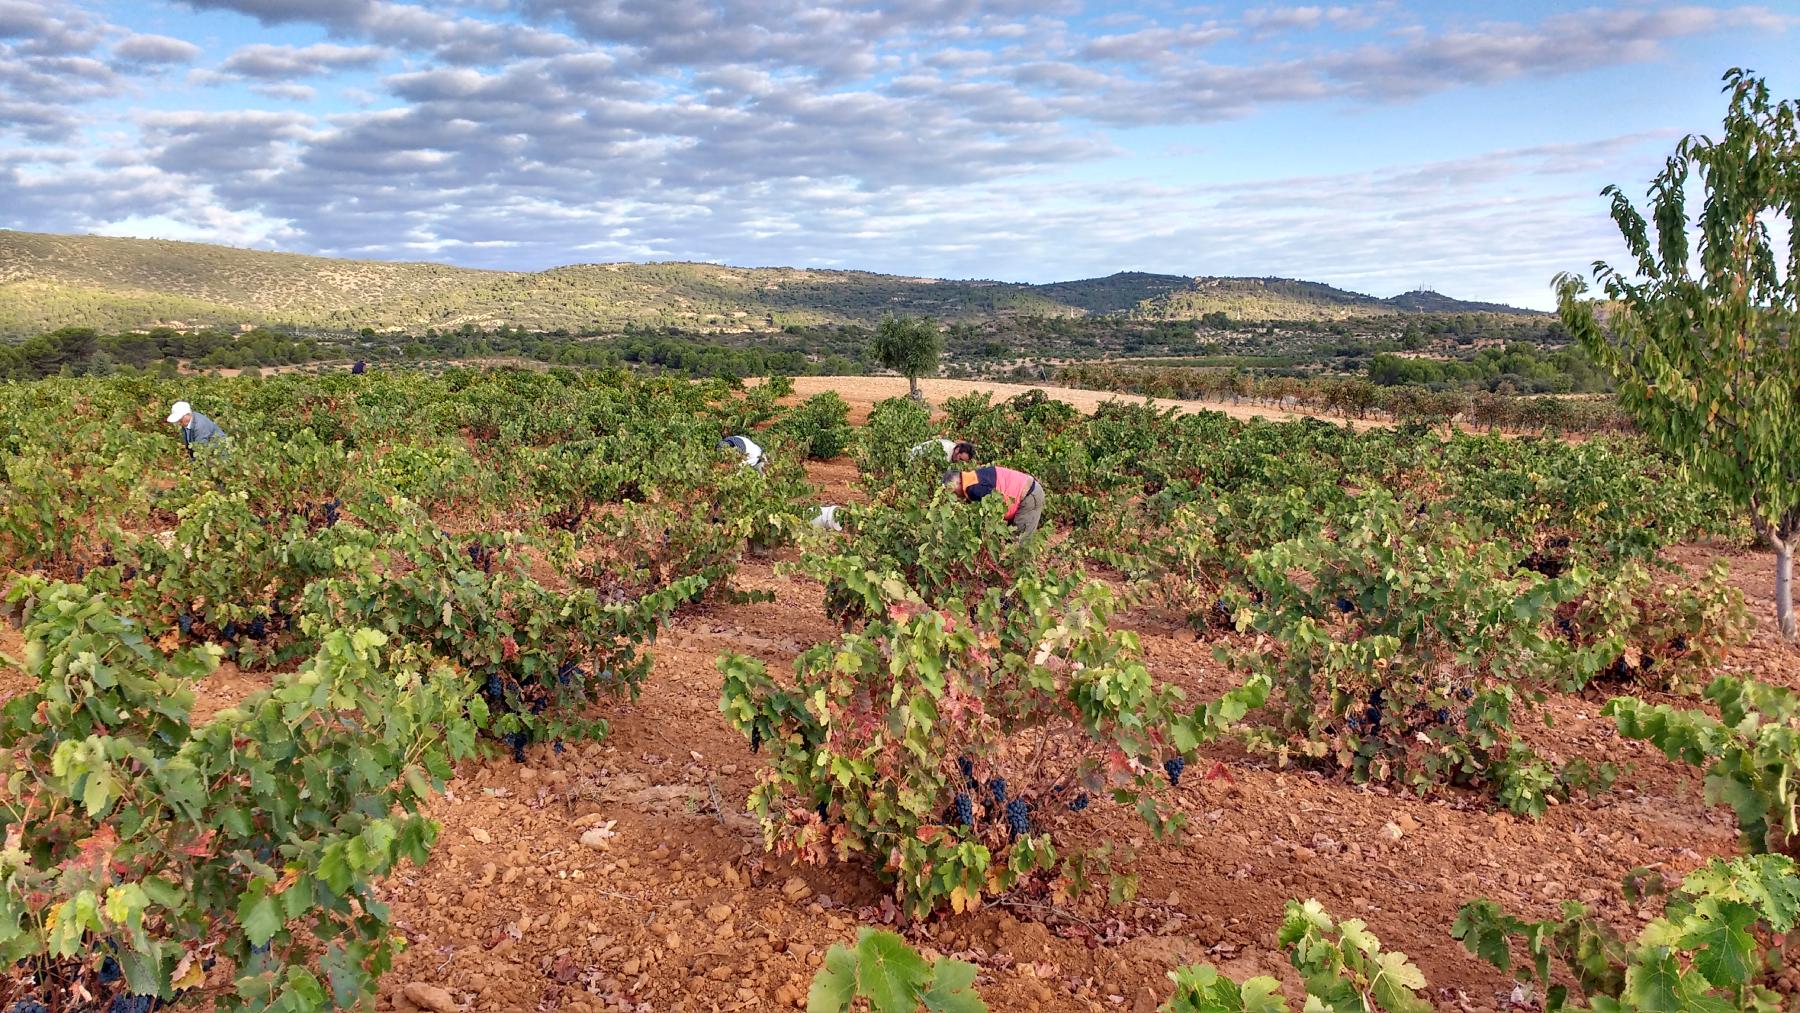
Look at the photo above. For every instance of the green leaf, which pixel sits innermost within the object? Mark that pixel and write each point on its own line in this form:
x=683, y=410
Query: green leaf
x=834, y=986
x=1653, y=984
x=888, y=973
x=951, y=990
x=1726, y=951
x=259, y=914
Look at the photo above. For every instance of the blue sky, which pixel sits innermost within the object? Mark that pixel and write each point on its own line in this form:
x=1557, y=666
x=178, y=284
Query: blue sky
x=1379, y=146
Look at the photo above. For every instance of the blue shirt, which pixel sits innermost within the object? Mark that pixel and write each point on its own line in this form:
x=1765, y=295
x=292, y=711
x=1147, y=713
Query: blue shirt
x=200, y=429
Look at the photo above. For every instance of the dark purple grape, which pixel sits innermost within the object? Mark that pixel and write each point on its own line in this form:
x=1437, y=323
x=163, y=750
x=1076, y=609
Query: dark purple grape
x=29, y=1004
x=965, y=810
x=134, y=1004
x=966, y=768
x=1345, y=604
x=1080, y=803
x=109, y=971
x=1017, y=822
x=1173, y=766
x=997, y=787
x=186, y=622
x=755, y=739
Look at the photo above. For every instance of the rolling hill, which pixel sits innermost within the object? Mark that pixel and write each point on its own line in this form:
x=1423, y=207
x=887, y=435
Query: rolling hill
x=51, y=281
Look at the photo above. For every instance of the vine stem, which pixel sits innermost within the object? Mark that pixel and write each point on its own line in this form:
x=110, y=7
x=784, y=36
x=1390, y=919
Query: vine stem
x=1046, y=909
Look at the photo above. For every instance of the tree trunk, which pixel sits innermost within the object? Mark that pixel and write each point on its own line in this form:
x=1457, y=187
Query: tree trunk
x=913, y=389
x=1784, y=585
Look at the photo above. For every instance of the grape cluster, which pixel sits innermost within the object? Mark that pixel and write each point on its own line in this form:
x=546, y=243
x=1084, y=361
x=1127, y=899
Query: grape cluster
x=755, y=739
x=134, y=1004
x=493, y=690
x=330, y=508
x=230, y=630
x=997, y=787
x=1016, y=818
x=109, y=971
x=567, y=671
x=29, y=1004
x=1373, y=713
x=966, y=768
x=481, y=556
x=965, y=810
x=259, y=628
x=186, y=622
x=1080, y=803
x=517, y=740
x=1345, y=604
x=1173, y=766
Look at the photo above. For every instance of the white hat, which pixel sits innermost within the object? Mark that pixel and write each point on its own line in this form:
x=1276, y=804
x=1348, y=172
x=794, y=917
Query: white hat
x=181, y=408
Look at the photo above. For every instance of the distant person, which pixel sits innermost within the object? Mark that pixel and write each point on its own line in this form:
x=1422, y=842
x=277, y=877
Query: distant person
x=826, y=518
x=359, y=368
x=1023, y=496
x=955, y=452
x=196, y=429
x=753, y=454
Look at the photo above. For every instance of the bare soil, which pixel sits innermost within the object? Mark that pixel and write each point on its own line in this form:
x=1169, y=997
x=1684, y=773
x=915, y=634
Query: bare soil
x=863, y=391
x=683, y=911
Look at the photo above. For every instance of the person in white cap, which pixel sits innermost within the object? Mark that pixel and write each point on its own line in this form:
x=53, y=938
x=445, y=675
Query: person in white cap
x=195, y=427
x=753, y=454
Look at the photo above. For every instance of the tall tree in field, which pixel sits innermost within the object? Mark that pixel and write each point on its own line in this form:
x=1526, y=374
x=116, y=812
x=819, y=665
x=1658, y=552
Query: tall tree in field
x=1703, y=339
x=908, y=346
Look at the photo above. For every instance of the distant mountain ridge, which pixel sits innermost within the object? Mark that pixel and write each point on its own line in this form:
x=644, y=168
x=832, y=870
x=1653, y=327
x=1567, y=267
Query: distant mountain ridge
x=49, y=281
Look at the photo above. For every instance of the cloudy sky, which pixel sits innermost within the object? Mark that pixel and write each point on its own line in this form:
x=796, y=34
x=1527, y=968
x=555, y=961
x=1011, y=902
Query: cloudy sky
x=1380, y=146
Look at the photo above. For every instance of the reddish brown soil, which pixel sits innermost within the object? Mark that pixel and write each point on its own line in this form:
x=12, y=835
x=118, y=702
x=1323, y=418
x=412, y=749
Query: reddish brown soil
x=684, y=911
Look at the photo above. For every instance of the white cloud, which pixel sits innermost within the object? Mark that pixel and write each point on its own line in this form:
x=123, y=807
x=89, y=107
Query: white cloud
x=914, y=135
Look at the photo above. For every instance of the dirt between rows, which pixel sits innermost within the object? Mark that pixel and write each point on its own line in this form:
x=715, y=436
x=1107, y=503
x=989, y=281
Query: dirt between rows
x=681, y=910
x=863, y=391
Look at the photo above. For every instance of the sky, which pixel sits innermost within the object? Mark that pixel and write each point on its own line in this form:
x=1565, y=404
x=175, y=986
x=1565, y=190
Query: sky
x=1381, y=146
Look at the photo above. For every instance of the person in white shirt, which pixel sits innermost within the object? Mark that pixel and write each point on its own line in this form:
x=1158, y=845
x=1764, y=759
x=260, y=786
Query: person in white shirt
x=952, y=451
x=753, y=454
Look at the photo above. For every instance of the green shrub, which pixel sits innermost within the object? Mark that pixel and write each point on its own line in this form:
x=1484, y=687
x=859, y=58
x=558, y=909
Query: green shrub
x=917, y=744
x=820, y=425
x=1715, y=948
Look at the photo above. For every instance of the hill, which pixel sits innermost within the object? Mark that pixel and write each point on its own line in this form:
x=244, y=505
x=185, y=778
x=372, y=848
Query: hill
x=52, y=281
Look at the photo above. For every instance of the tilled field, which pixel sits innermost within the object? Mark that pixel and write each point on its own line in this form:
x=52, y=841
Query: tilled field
x=675, y=906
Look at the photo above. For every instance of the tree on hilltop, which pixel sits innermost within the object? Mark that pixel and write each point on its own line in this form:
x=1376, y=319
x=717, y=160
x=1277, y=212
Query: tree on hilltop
x=908, y=346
